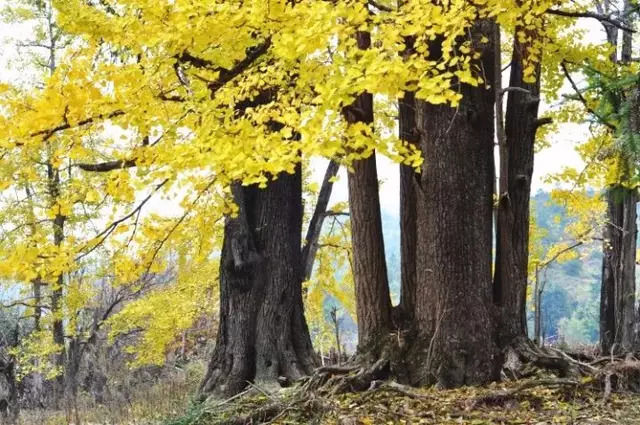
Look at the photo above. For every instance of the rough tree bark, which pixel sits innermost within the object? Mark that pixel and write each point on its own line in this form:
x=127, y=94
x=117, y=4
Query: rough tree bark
x=617, y=294
x=627, y=293
x=408, y=133
x=454, y=309
x=10, y=397
x=516, y=170
x=262, y=333
x=373, y=302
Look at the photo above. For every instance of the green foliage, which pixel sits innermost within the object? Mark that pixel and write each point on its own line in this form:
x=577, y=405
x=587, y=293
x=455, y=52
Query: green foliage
x=572, y=285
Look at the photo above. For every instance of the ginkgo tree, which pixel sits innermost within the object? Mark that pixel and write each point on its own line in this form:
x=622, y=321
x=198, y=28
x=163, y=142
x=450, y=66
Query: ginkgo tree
x=217, y=106
x=70, y=209
x=243, y=122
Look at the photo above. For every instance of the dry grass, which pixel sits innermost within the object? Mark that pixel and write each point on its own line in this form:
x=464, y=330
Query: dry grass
x=148, y=403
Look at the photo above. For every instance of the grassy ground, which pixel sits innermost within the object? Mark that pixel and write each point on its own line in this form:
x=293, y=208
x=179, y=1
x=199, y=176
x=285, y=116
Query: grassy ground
x=498, y=404
x=147, y=403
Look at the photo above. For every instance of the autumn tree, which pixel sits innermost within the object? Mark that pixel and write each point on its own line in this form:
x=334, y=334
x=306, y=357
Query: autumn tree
x=373, y=301
x=607, y=100
x=516, y=138
x=221, y=125
x=454, y=217
x=618, y=314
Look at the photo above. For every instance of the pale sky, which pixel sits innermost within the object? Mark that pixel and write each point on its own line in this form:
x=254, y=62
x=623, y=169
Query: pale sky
x=550, y=160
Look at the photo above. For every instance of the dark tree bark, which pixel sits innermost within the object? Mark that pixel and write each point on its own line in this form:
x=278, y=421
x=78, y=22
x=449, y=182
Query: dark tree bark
x=611, y=242
x=617, y=294
x=512, y=240
x=627, y=292
x=408, y=176
x=10, y=404
x=373, y=302
x=454, y=309
x=74, y=351
x=57, y=290
x=310, y=249
x=262, y=332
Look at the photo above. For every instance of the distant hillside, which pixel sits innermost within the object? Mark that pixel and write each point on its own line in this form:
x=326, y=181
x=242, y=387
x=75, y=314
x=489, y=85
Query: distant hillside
x=572, y=293
x=572, y=296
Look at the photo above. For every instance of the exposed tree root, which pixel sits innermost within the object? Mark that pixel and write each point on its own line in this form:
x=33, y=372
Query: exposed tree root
x=502, y=397
x=523, y=357
x=608, y=373
x=404, y=390
x=322, y=395
x=360, y=374
x=312, y=395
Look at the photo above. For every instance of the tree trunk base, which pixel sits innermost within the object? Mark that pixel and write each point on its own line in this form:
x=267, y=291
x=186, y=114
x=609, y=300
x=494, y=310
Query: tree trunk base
x=382, y=362
x=523, y=358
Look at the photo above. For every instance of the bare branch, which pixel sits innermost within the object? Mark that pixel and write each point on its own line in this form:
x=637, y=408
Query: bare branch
x=226, y=75
x=515, y=89
x=381, y=7
x=583, y=100
x=47, y=134
x=103, y=167
x=602, y=18
x=111, y=227
x=336, y=214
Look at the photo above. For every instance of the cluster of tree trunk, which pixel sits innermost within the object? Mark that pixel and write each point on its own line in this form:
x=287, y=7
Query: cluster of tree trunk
x=446, y=322
x=457, y=318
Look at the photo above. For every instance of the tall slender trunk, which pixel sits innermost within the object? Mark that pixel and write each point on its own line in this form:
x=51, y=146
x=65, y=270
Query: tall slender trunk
x=454, y=309
x=516, y=170
x=310, y=248
x=262, y=333
x=57, y=287
x=627, y=293
x=36, y=284
x=617, y=295
x=408, y=133
x=373, y=301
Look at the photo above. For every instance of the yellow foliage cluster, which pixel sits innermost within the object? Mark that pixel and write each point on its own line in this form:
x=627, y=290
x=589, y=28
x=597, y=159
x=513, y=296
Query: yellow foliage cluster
x=156, y=91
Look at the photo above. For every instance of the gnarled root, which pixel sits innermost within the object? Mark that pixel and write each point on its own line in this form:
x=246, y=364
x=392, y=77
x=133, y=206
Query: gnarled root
x=360, y=374
x=522, y=358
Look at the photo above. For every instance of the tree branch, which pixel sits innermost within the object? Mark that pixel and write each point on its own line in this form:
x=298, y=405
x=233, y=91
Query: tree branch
x=310, y=248
x=103, y=167
x=583, y=100
x=47, y=134
x=602, y=18
x=226, y=75
x=381, y=7
x=111, y=227
x=543, y=121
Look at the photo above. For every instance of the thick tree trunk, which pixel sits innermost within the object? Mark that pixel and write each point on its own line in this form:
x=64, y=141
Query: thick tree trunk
x=262, y=334
x=512, y=241
x=373, y=302
x=408, y=177
x=454, y=309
